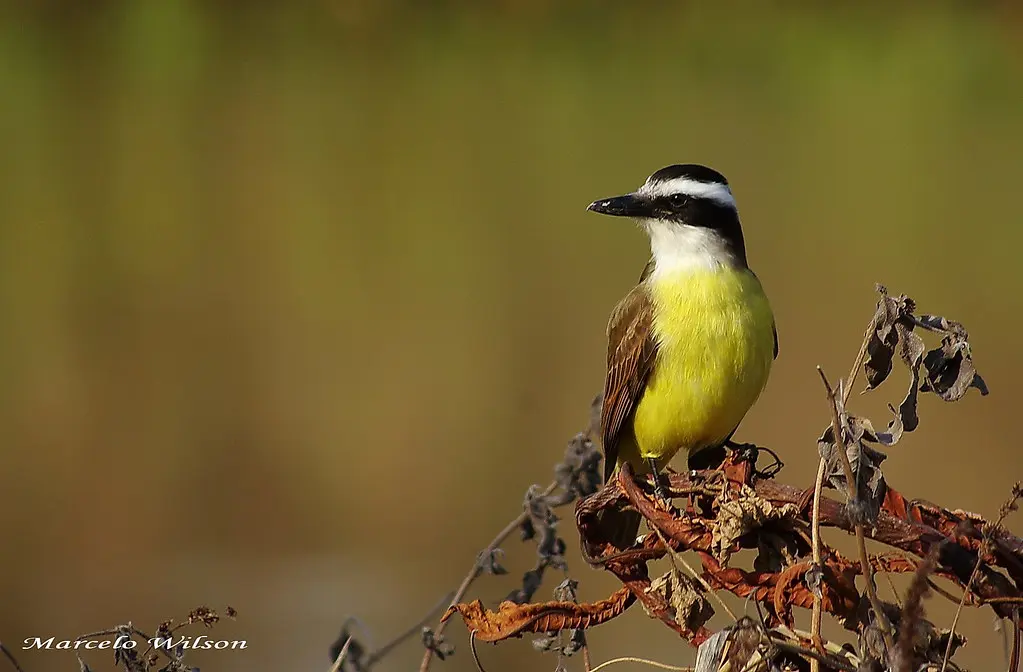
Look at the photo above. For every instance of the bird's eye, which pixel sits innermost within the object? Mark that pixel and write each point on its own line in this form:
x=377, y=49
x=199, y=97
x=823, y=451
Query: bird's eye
x=677, y=200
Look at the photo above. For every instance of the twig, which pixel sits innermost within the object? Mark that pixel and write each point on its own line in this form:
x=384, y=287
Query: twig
x=1014, y=654
x=10, y=657
x=830, y=648
x=997, y=600
x=857, y=363
x=815, y=529
x=828, y=659
x=374, y=657
x=341, y=655
x=941, y=591
x=472, y=649
x=895, y=591
x=643, y=661
x=587, y=662
x=850, y=481
x=817, y=614
x=989, y=530
x=477, y=569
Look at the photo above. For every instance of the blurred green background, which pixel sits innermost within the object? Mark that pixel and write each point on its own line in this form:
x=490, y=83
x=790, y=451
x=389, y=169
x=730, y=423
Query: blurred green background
x=299, y=298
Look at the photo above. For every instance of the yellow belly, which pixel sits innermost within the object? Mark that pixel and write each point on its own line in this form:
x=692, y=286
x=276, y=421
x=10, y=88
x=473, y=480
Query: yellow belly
x=715, y=334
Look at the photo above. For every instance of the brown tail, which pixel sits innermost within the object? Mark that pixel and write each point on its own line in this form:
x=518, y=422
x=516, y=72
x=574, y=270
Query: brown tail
x=620, y=527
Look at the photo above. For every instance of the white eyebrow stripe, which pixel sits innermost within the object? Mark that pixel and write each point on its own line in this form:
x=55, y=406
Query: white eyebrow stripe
x=719, y=193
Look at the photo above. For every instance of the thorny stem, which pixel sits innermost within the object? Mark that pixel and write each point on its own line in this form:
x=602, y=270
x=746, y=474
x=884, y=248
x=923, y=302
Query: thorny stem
x=850, y=482
x=476, y=570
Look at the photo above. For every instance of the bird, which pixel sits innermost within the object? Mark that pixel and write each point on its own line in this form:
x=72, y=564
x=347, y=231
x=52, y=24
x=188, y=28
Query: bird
x=690, y=347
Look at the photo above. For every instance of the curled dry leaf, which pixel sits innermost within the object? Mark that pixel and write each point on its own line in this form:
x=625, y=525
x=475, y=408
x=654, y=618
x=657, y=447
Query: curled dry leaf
x=947, y=370
x=949, y=367
x=688, y=606
x=514, y=620
x=734, y=648
x=865, y=461
x=489, y=562
x=891, y=312
x=911, y=350
x=744, y=513
x=578, y=474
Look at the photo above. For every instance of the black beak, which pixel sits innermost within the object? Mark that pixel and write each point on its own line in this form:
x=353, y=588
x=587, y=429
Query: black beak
x=629, y=205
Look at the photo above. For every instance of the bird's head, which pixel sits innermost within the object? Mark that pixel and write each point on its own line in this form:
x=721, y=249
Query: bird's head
x=690, y=215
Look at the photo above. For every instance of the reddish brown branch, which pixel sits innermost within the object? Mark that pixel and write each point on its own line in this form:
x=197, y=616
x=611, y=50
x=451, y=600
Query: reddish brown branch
x=907, y=528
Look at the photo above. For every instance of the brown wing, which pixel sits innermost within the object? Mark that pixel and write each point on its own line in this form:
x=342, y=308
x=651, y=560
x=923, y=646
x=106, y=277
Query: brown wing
x=630, y=358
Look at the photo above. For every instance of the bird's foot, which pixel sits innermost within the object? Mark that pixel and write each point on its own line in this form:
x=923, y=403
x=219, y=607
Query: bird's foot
x=660, y=493
x=750, y=452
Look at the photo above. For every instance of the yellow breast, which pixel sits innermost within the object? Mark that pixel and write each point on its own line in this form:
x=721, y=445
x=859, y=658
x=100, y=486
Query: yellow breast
x=715, y=334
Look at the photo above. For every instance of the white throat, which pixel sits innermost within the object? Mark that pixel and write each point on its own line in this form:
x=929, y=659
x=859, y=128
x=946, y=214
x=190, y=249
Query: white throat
x=679, y=248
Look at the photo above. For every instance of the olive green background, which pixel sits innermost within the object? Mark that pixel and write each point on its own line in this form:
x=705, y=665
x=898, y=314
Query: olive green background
x=297, y=299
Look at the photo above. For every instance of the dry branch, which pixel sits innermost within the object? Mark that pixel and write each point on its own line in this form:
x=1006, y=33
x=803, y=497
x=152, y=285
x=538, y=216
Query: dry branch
x=908, y=528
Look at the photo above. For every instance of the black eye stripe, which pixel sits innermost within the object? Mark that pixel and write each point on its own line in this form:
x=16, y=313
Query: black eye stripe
x=676, y=200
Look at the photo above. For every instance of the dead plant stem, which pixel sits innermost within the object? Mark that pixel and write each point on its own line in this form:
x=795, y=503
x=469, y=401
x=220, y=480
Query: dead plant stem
x=477, y=569
x=861, y=538
x=818, y=611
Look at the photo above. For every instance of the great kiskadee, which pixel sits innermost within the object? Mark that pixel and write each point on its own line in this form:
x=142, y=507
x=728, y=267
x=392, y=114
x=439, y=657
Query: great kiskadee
x=691, y=346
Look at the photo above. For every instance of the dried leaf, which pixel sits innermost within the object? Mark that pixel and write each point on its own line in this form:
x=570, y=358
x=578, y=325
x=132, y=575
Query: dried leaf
x=911, y=350
x=489, y=562
x=949, y=368
x=743, y=514
x=541, y=524
x=731, y=648
x=866, y=467
x=531, y=582
x=547, y=643
x=884, y=335
x=689, y=607
x=566, y=591
x=576, y=642
x=356, y=651
x=578, y=474
x=711, y=654
x=554, y=643
x=514, y=620
x=863, y=429
x=436, y=643
x=775, y=551
x=813, y=578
